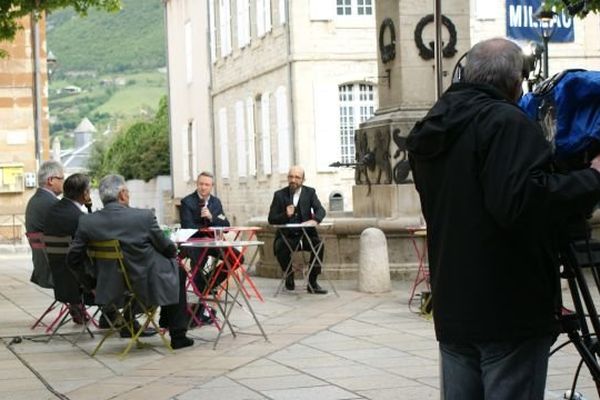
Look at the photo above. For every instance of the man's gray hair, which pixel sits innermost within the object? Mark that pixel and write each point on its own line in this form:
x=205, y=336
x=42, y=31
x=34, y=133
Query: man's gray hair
x=47, y=170
x=110, y=186
x=497, y=62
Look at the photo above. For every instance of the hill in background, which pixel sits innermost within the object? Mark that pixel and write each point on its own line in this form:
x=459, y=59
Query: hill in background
x=110, y=67
x=131, y=39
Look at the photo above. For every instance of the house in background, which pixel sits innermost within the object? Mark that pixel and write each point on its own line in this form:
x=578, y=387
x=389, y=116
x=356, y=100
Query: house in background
x=23, y=112
x=259, y=85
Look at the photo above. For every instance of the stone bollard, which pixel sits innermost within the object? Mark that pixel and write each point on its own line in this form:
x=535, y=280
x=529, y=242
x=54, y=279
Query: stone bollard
x=373, y=264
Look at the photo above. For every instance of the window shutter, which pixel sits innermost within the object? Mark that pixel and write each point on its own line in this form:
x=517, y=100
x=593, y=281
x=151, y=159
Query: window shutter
x=283, y=132
x=185, y=170
x=282, y=13
x=266, y=134
x=242, y=23
x=224, y=143
x=322, y=10
x=260, y=17
x=194, y=150
x=213, y=31
x=267, y=15
x=225, y=24
x=326, y=124
x=250, y=130
x=240, y=134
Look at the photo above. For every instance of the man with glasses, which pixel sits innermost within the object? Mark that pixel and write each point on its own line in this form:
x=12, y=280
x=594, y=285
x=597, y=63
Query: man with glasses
x=299, y=204
x=50, y=184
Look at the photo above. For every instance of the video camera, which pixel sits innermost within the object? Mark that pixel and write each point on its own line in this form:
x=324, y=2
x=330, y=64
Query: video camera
x=567, y=106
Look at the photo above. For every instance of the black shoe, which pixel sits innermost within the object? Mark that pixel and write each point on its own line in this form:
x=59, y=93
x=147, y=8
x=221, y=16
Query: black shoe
x=314, y=288
x=126, y=333
x=181, y=342
x=289, y=282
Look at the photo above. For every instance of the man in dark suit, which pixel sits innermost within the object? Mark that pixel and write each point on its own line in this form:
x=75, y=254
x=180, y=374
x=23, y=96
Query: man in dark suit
x=155, y=276
x=62, y=219
x=50, y=185
x=202, y=210
x=297, y=203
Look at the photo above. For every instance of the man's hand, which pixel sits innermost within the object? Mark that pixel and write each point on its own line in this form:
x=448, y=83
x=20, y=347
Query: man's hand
x=290, y=210
x=596, y=163
x=205, y=213
x=310, y=222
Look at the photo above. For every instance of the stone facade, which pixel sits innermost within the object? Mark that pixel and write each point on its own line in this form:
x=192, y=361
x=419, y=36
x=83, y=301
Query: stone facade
x=17, y=123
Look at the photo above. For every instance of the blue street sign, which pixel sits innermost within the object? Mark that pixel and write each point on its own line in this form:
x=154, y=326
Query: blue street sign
x=521, y=24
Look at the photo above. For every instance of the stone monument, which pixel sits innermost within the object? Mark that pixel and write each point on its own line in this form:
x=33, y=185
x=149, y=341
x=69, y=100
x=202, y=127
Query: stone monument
x=383, y=195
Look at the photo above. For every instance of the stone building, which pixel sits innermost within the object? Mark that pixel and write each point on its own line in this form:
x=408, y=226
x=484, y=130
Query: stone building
x=276, y=83
x=18, y=163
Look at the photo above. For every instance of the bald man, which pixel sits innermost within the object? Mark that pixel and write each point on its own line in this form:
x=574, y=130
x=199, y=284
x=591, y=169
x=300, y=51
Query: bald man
x=297, y=203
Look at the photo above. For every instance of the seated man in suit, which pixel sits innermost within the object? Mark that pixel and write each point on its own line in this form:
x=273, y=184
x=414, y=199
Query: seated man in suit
x=62, y=220
x=297, y=203
x=202, y=210
x=155, y=275
x=50, y=178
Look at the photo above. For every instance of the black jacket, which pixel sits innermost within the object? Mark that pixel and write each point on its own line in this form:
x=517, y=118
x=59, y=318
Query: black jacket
x=494, y=212
x=189, y=212
x=309, y=207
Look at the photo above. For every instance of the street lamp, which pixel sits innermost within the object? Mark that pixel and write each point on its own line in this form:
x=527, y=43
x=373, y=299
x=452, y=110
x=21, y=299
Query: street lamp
x=545, y=18
x=51, y=63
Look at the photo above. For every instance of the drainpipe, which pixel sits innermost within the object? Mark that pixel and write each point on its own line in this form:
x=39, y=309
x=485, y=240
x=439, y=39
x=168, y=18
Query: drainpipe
x=211, y=97
x=290, y=84
x=172, y=164
x=37, y=88
x=437, y=18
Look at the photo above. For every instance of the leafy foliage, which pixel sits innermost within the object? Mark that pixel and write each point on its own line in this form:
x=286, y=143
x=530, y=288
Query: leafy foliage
x=12, y=10
x=580, y=7
x=140, y=151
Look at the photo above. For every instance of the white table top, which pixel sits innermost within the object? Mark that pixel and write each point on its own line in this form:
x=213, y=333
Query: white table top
x=290, y=226
x=222, y=243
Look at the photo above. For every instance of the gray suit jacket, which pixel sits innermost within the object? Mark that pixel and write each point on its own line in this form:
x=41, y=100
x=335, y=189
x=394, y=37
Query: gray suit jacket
x=154, y=274
x=35, y=215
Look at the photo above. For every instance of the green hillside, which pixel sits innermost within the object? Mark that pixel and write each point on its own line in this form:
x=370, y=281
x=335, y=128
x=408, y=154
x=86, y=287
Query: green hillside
x=132, y=38
x=113, y=60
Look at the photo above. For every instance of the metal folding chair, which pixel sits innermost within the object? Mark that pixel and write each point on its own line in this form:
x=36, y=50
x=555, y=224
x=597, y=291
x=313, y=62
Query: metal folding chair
x=36, y=242
x=110, y=250
x=57, y=248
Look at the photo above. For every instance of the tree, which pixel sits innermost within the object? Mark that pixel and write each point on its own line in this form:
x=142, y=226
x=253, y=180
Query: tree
x=12, y=10
x=575, y=7
x=140, y=151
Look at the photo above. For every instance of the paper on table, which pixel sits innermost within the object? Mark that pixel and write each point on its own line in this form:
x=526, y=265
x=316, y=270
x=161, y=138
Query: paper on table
x=182, y=235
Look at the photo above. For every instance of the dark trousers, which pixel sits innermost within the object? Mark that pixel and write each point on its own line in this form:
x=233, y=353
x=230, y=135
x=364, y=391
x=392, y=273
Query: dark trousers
x=284, y=255
x=505, y=370
x=174, y=316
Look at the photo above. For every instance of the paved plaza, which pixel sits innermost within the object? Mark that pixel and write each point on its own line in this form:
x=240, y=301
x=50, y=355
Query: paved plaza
x=357, y=346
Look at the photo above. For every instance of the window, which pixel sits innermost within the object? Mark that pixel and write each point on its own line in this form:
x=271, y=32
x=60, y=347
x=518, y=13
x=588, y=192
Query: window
x=240, y=137
x=357, y=104
x=188, y=151
x=212, y=30
x=263, y=17
x=188, y=51
x=354, y=7
x=225, y=27
x=243, y=22
x=283, y=131
x=223, y=142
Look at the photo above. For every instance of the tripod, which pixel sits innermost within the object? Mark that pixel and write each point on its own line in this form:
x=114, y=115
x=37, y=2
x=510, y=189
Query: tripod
x=582, y=325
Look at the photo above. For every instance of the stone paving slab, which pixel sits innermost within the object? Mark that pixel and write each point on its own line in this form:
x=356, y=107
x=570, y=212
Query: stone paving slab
x=357, y=346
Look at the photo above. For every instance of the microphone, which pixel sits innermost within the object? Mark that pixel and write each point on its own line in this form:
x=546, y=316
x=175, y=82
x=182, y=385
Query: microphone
x=204, y=222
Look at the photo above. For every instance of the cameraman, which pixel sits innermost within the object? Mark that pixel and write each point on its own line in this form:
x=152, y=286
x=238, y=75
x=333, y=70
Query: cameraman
x=494, y=213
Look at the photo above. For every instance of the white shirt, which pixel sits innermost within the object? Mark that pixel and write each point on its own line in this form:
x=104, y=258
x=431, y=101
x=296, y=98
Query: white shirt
x=296, y=197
